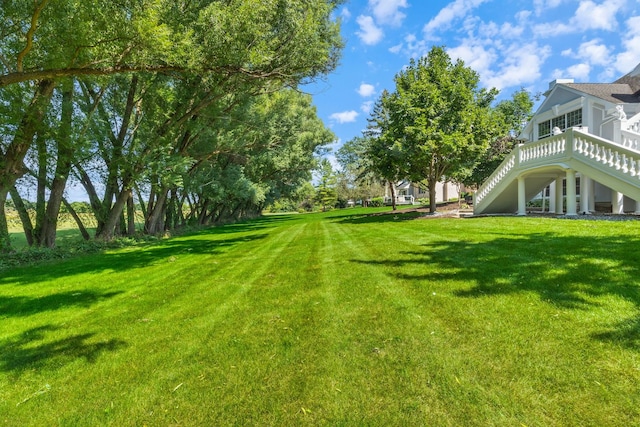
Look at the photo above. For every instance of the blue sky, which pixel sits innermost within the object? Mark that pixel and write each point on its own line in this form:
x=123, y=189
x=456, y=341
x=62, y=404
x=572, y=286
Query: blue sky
x=511, y=44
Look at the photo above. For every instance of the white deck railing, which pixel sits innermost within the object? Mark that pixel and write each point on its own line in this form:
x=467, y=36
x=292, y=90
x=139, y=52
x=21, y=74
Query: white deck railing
x=620, y=161
x=632, y=124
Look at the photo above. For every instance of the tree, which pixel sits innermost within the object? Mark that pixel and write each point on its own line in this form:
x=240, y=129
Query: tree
x=359, y=179
x=285, y=136
x=13, y=151
x=248, y=39
x=440, y=118
x=326, y=193
x=199, y=55
x=511, y=115
x=384, y=146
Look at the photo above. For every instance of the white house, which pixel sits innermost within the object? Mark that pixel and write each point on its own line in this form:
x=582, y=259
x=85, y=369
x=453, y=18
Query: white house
x=583, y=143
x=408, y=193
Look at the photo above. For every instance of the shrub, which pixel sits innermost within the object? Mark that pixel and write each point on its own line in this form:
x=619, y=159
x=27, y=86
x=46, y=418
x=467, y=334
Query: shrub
x=376, y=202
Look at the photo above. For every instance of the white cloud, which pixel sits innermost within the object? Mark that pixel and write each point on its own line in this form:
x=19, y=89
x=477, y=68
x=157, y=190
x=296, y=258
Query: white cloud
x=396, y=49
x=543, y=6
x=523, y=16
x=593, y=51
x=366, y=107
x=345, y=14
x=369, y=33
x=627, y=60
x=579, y=72
x=387, y=12
x=588, y=16
x=551, y=29
x=491, y=30
x=521, y=66
x=475, y=56
x=414, y=47
x=345, y=116
x=452, y=12
x=366, y=90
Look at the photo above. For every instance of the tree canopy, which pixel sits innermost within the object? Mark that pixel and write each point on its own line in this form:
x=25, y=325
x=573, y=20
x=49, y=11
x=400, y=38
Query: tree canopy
x=437, y=124
x=189, y=107
x=511, y=116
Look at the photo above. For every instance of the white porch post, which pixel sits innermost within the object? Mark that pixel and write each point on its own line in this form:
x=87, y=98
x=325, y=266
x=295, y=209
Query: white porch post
x=552, y=197
x=559, y=197
x=617, y=202
x=571, y=193
x=592, y=191
x=637, y=211
x=585, y=194
x=522, y=198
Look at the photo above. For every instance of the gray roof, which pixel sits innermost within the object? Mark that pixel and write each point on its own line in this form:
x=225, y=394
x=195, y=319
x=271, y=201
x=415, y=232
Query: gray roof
x=612, y=92
x=624, y=90
x=632, y=79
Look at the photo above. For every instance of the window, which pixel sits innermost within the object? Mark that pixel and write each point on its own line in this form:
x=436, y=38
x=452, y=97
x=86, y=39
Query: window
x=559, y=122
x=544, y=129
x=574, y=118
x=563, y=122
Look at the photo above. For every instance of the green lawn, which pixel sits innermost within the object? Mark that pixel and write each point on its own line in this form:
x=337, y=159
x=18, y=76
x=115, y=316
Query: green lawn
x=343, y=318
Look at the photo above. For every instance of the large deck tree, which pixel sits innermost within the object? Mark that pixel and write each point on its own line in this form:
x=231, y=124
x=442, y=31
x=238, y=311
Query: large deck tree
x=441, y=118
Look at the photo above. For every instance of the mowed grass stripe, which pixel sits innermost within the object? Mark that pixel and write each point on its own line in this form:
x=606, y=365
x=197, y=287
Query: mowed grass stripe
x=334, y=319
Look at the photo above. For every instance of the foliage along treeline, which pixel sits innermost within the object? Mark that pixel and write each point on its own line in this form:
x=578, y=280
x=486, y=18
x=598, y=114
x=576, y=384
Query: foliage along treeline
x=188, y=106
x=437, y=125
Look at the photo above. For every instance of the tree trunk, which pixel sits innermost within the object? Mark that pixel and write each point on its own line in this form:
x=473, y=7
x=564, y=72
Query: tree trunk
x=41, y=178
x=94, y=200
x=5, y=240
x=76, y=217
x=114, y=214
x=432, y=195
x=170, y=211
x=154, y=222
x=27, y=226
x=181, y=217
x=11, y=161
x=203, y=213
x=131, y=216
x=392, y=189
x=63, y=167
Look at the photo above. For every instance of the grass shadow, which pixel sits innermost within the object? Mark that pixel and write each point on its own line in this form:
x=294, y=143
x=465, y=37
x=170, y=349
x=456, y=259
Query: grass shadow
x=22, y=306
x=122, y=260
x=569, y=272
x=379, y=217
x=31, y=349
x=626, y=333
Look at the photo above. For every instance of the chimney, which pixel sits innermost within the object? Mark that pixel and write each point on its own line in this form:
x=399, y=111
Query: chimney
x=559, y=81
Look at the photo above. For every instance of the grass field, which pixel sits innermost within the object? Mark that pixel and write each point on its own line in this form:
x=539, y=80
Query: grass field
x=344, y=318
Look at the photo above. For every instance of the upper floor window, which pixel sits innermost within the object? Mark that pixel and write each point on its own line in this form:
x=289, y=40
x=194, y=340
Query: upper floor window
x=574, y=118
x=544, y=129
x=563, y=122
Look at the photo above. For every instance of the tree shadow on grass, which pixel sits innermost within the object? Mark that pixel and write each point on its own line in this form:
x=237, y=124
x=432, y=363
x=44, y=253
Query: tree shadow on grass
x=569, y=272
x=380, y=217
x=205, y=241
x=31, y=349
x=626, y=333
x=256, y=224
x=22, y=306
x=201, y=243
